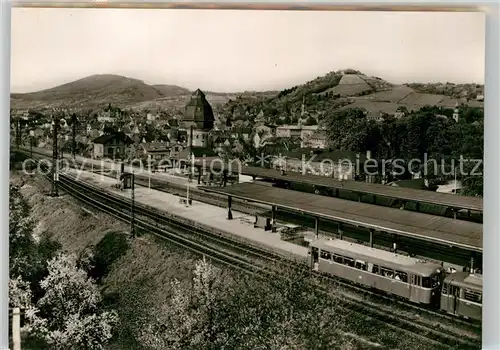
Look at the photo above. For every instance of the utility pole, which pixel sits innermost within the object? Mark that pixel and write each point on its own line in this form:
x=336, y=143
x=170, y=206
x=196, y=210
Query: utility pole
x=55, y=160
x=132, y=205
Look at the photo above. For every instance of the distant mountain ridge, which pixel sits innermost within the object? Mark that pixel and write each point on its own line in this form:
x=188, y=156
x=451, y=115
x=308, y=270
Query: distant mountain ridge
x=102, y=89
x=99, y=89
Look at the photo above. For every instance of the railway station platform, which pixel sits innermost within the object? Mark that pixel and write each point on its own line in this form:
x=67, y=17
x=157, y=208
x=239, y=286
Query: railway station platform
x=215, y=217
x=168, y=176
x=290, y=179
x=174, y=176
x=426, y=235
x=459, y=206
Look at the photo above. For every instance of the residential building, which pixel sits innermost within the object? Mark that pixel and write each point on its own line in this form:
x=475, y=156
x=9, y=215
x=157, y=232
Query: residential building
x=151, y=118
x=317, y=140
x=155, y=150
x=105, y=117
x=289, y=131
x=114, y=145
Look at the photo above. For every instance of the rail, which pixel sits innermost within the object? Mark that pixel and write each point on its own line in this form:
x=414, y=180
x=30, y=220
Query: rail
x=359, y=304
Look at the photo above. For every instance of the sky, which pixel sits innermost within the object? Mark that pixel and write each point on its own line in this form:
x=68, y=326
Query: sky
x=233, y=51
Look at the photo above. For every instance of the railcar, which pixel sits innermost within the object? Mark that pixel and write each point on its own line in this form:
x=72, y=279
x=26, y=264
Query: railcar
x=412, y=279
x=462, y=295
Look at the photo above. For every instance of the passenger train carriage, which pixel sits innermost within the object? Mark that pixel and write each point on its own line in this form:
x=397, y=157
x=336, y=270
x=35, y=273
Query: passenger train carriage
x=462, y=295
x=415, y=280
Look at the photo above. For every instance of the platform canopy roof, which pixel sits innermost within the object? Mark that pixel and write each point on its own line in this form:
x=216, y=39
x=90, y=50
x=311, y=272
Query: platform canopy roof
x=458, y=233
x=365, y=188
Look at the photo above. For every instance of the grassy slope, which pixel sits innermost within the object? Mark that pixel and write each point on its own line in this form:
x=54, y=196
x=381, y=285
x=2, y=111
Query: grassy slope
x=142, y=275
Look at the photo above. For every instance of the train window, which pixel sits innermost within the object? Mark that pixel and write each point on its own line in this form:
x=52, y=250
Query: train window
x=326, y=255
x=360, y=265
x=426, y=282
x=375, y=269
x=401, y=276
x=445, y=289
x=337, y=258
x=349, y=262
x=416, y=280
x=472, y=295
x=387, y=272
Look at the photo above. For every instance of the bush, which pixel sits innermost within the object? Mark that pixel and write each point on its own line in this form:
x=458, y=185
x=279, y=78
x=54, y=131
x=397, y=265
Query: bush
x=112, y=246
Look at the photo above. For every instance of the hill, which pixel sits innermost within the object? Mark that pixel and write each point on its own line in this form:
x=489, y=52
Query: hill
x=171, y=90
x=100, y=90
x=341, y=90
x=334, y=90
x=96, y=90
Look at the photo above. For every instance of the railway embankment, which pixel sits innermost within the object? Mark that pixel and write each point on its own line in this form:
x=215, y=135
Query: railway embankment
x=141, y=278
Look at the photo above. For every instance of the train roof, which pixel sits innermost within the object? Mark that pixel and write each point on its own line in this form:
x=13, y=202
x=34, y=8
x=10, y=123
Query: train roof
x=465, y=280
x=377, y=256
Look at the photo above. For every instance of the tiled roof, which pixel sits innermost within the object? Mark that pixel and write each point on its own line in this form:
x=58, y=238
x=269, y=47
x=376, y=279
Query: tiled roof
x=119, y=136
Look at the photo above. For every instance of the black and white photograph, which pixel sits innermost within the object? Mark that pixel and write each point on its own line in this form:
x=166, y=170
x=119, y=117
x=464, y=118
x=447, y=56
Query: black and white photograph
x=246, y=179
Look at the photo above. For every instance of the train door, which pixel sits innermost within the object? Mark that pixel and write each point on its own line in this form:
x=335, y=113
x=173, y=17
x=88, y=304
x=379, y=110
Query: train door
x=415, y=282
x=314, y=258
x=454, y=298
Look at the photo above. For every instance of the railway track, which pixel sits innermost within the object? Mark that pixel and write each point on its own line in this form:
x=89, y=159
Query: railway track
x=244, y=258
x=256, y=260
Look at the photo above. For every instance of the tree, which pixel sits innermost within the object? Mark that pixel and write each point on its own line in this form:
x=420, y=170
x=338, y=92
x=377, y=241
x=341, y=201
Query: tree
x=189, y=320
x=27, y=254
x=69, y=315
x=349, y=130
x=19, y=293
x=21, y=240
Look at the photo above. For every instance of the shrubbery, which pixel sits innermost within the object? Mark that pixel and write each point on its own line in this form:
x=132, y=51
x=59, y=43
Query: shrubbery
x=99, y=259
x=63, y=307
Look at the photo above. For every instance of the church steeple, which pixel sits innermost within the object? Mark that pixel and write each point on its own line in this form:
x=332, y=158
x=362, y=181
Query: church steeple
x=455, y=112
x=198, y=112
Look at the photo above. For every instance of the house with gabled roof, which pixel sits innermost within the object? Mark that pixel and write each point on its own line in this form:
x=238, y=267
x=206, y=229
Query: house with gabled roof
x=114, y=145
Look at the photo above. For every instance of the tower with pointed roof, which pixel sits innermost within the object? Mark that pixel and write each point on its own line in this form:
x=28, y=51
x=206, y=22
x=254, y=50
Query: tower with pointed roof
x=198, y=112
x=199, y=116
